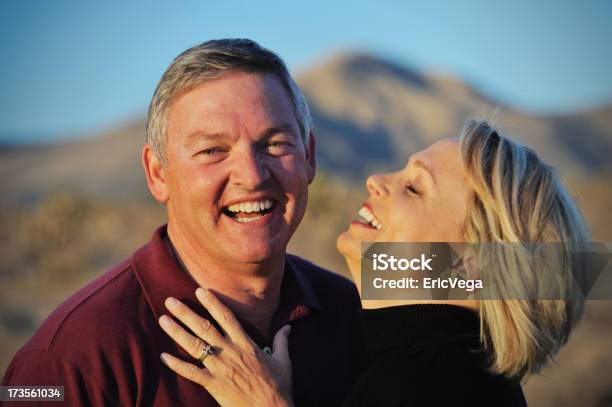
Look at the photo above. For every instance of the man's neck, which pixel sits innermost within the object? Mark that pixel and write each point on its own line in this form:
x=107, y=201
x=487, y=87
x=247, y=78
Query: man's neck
x=251, y=291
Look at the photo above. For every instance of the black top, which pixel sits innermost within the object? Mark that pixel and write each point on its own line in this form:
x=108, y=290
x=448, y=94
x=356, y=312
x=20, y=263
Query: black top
x=427, y=355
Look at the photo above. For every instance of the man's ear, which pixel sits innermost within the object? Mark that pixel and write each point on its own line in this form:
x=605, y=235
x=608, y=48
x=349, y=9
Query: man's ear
x=310, y=157
x=156, y=174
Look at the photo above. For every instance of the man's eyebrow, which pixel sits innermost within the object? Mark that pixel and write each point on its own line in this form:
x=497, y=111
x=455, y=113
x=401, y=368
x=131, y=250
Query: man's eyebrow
x=200, y=135
x=279, y=128
x=203, y=136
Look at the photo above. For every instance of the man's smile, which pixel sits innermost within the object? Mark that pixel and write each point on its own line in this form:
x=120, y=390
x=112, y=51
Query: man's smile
x=249, y=211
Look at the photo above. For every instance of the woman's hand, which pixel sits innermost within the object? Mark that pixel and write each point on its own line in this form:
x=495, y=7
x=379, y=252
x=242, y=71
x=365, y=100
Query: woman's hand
x=237, y=372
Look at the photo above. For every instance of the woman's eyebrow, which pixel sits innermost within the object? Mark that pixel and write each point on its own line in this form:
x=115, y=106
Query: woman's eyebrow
x=420, y=164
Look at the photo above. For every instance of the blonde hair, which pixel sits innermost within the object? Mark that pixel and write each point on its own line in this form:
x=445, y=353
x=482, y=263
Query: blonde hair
x=518, y=198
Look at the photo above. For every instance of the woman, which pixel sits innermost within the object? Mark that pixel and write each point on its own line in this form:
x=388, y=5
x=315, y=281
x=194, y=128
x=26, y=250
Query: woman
x=481, y=188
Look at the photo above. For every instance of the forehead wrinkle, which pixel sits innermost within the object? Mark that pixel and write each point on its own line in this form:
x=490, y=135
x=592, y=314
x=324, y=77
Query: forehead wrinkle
x=259, y=116
x=201, y=135
x=441, y=157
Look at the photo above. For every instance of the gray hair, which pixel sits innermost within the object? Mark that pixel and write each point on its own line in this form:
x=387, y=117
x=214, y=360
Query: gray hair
x=210, y=60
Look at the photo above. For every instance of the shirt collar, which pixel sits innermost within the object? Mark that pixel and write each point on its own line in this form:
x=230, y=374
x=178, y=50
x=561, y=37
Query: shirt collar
x=161, y=276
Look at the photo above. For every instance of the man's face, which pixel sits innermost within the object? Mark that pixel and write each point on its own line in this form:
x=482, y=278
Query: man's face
x=237, y=170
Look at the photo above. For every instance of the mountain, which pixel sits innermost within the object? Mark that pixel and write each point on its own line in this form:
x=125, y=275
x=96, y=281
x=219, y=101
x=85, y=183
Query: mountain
x=380, y=113
x=104, y=165
x=369, y=115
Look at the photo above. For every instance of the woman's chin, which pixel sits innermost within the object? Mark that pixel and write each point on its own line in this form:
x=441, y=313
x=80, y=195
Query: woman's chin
x=350, y=249
x=348, y=246
x=341, y=243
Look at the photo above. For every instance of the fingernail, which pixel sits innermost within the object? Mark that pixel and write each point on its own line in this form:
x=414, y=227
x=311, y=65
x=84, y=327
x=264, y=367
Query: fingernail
x=164, y=321
x=171, y=302
x=200, y=292
x=164, y=358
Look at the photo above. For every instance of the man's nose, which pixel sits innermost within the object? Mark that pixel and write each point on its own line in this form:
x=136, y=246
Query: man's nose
x=249, y=170
x=376, y=185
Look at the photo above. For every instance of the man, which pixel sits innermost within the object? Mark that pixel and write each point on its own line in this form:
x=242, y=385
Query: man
x=230, y=152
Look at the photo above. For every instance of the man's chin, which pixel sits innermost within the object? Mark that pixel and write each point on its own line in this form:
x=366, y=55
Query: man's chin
x=257, y=254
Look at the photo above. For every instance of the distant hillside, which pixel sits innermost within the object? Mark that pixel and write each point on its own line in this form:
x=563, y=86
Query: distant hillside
x=369, y=115
x=105, y=165
x=380, y=113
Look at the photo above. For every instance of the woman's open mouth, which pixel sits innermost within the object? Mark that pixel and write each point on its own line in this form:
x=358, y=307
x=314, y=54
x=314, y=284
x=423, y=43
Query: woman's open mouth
x=368, y=218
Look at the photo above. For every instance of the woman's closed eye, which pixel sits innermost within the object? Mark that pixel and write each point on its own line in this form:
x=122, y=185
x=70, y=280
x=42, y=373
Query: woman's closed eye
x=412, y=189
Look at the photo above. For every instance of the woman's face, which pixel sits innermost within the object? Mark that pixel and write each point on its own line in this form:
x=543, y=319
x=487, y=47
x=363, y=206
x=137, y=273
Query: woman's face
x=426, y=201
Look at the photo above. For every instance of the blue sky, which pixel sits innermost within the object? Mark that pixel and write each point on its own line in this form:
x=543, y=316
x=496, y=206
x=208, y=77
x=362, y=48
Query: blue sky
x=76, y=67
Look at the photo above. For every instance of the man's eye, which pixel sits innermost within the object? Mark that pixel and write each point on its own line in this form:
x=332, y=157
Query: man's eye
x=278, y=147
x=279, y=144
x=211, y=151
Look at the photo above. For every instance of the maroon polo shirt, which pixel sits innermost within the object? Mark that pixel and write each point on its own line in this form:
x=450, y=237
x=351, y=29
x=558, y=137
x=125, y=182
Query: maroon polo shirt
x=103, y=343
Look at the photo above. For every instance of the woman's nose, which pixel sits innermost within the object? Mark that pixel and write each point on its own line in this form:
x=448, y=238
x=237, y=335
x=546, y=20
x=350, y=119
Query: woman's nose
x=375, y=185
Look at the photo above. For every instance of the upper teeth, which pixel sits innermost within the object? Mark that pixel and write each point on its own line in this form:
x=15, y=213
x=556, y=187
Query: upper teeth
x=365, y=213
x=248, y=207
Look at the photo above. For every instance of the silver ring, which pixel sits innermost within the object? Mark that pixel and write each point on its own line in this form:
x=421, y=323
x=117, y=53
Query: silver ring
x=207, y=350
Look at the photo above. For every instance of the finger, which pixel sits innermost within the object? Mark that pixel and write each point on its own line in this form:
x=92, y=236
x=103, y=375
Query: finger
x=187, y=370
x=224, y=316
x=193, y=345
x=280, y=346
x=202, y=327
